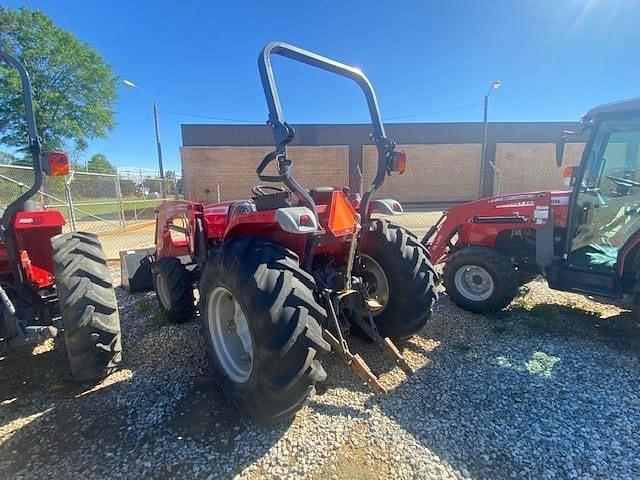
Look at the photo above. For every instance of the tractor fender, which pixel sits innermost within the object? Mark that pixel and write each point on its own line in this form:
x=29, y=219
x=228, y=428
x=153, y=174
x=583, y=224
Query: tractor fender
x=265, y=225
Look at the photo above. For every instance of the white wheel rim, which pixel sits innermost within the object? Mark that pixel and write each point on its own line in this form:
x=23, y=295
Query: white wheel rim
x=376, y=281
x=230, y=334
x=474, y=282
x=163, y=292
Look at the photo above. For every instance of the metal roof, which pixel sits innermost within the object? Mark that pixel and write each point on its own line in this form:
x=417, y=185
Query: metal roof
x=200, y=135
x=615, y=107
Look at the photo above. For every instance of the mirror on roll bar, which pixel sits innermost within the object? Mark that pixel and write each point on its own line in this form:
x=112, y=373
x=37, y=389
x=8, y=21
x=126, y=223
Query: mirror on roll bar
x=560, y=147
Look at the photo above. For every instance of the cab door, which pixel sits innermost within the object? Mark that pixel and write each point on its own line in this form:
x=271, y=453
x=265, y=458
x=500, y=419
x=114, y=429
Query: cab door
x=606, y=207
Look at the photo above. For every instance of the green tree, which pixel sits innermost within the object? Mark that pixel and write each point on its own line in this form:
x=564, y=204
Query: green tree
x=7, y=158
x=73, y=89
x=99, y=164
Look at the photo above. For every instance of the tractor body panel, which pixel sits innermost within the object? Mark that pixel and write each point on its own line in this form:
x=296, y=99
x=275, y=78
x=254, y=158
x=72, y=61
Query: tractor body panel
x=33, y=232
x=176, y=231
x=481, y=222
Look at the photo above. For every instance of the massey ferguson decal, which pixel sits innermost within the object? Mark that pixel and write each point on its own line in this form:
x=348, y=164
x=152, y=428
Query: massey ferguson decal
x=511, y=198
x=516, y=205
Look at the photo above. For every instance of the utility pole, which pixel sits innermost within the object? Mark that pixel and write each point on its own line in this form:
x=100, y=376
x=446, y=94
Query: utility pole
x=483, y=159
x=156, y=123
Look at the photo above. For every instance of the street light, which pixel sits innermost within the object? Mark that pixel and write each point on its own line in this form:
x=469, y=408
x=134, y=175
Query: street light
x=483, y=161
x=156, y=122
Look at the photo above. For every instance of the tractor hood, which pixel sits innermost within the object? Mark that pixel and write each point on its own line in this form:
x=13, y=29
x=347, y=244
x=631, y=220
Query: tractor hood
x=481, y=221
x=515, y=200
x=513, y=205
x=516, y=205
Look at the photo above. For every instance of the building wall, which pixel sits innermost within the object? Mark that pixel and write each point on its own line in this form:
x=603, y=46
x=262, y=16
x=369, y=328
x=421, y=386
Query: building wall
x=444, y=159
x=522, y=167
x=233, y=169
x=435, y=173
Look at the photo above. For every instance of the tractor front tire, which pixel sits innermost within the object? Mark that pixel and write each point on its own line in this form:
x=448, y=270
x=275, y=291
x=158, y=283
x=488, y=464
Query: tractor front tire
x=88, y=305
x=480, y=279
x=407, y=274
x=261, y=325
x=174, y=289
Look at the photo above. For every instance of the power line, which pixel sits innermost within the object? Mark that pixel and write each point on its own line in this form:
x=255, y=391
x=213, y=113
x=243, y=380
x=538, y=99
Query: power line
x=209, y=117
x=397, y=117
x=109, y=146
x=436, y=112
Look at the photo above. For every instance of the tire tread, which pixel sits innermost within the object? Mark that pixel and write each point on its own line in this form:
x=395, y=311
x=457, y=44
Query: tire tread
x=88, y=304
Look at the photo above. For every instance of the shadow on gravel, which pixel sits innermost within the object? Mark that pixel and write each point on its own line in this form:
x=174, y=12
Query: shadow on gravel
x=204, y=415
x=569, y=321
x=526, y=394
x=157, y=417
x=41, y=409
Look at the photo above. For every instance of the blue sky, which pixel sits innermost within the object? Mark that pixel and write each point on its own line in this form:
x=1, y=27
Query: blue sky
x=555, y=58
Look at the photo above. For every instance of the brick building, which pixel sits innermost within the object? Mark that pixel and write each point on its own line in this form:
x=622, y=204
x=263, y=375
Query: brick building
x=444, y=159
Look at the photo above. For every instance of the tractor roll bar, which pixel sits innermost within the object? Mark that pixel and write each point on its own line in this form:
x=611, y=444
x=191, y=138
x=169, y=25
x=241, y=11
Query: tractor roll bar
x=283, y=133
x=35, y=147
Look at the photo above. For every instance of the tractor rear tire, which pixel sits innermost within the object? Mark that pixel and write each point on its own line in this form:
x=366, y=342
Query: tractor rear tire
x=480, y=279
x=261, y=325
x=88, y=305
x=174, y=289
x=409, y=275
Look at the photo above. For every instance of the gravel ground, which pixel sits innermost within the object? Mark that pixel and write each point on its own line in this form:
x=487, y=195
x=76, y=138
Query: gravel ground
x=547, y=389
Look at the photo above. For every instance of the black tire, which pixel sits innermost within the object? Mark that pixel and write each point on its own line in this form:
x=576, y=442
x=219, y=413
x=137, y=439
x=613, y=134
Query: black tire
x=277, y=299
x=171, y=273
x=502, y=273
x=410, y=276
x=88, y=305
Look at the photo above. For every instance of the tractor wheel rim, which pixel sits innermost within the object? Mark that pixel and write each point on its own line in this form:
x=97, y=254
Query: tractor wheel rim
x=230, y=334
x=163, y=292
x=474, y=283
x=376, y=281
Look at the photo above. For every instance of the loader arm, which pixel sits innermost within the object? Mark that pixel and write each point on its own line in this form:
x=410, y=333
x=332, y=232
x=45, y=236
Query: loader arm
x=438, y=238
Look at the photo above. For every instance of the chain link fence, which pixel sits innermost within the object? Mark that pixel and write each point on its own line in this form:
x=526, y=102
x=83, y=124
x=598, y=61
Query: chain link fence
x=119, y=208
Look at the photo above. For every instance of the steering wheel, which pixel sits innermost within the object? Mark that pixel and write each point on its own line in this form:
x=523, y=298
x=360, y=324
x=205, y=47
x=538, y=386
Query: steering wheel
x=262, y=190
x=624, y=182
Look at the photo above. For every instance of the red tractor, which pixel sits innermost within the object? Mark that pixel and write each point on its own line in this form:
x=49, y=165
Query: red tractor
x=50, y=281
x=285, y=275
x=584, y=240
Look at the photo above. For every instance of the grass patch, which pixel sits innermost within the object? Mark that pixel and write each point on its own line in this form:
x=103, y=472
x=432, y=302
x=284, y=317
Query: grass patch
x=143, y=306
x=540, y=364
x=109, y=208
x=161, y=319
x=523, y=300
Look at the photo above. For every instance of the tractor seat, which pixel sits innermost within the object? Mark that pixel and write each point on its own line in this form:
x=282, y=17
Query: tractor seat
x=272, y=201
x=242, y=207
x=322, y=195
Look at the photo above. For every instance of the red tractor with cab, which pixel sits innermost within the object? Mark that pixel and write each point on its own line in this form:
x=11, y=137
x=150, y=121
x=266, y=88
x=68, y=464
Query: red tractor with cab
x=285, y=275
x=52, y=281
x=584, y=240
